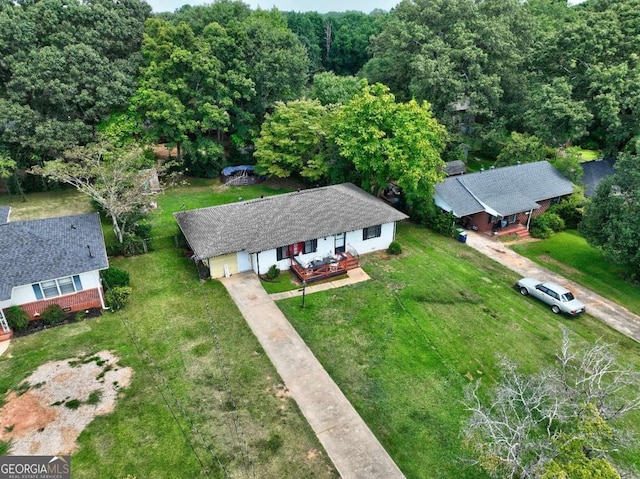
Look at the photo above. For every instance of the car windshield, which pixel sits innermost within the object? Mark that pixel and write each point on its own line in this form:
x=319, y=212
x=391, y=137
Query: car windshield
x=568, y=296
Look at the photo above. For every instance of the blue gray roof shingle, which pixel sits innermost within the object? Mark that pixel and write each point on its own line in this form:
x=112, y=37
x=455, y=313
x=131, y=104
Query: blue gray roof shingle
x=38, y=250
x=502, y=191
x=274, y=221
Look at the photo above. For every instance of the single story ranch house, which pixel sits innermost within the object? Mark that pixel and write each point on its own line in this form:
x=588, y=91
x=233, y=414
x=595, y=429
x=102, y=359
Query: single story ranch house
x=488, y=201
x=317, y=232
x=51, y=261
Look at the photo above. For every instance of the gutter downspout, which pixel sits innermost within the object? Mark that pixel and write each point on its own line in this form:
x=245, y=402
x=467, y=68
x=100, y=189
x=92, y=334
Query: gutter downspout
x=529, y=219
x=258, y=261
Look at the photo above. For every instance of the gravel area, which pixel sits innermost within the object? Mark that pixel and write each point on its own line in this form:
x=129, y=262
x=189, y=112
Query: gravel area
x=49, y=409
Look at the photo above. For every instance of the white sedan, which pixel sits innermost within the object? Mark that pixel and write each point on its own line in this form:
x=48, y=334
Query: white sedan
x=558, y=297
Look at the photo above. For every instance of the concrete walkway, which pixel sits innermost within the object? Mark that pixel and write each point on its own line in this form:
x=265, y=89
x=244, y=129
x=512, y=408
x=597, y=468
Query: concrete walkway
x=616, y=316
x=354, y=276
x=4, y=345
x=350, y=444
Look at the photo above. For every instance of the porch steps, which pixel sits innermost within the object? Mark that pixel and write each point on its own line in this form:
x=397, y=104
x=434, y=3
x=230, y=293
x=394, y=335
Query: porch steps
x=515, y=229
x=351, y=263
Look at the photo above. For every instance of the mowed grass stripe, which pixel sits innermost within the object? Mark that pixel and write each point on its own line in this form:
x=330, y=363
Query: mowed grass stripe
x=403, y=345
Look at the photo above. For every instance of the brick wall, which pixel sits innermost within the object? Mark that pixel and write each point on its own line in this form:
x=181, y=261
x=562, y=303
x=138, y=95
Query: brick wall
x=76, y=302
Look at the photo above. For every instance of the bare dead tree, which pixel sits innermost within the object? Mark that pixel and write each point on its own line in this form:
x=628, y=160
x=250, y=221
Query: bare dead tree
x=531, y=420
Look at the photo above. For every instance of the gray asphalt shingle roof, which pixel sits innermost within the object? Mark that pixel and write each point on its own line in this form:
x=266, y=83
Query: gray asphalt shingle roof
x=274, y=221
x=506, y=191
x=40, y=250
x=594, y=172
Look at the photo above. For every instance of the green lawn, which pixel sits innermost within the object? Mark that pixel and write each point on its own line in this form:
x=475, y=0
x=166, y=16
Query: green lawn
x=196, y=338
x=403, y=345
x=66, y=201
x=569, y=254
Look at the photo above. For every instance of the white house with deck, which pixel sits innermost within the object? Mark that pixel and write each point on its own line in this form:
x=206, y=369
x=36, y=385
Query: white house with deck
x=317, y=232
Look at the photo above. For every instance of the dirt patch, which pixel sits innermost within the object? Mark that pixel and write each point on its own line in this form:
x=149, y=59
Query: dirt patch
x=563, y=267
x=58, y=401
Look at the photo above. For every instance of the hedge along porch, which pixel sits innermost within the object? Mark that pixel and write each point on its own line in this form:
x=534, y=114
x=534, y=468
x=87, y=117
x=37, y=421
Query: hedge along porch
x=51, y=261
x=310, y=227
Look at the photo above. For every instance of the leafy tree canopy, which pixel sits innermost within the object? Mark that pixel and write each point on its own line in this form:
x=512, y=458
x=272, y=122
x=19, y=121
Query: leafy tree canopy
x=64, y=67
x=293, y=141
x=611, y=218
x=331, y=89
x=391, y=142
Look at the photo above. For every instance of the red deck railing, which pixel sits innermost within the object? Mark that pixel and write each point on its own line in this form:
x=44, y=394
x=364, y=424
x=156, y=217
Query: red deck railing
x=324, y=268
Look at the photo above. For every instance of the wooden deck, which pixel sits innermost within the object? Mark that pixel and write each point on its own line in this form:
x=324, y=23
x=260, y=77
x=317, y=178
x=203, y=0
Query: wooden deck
x=310, y=273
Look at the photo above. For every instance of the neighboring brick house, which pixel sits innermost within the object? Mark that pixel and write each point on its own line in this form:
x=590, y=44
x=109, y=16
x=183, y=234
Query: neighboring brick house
x=51, y=261
x=493, y=199
x=316, y=232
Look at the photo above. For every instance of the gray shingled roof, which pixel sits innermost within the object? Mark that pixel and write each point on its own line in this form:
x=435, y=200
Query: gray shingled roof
x=4, y=214
x=504, y=191
x=594, y=172
x=274, y=221
x=40, y=250
x=455, y=167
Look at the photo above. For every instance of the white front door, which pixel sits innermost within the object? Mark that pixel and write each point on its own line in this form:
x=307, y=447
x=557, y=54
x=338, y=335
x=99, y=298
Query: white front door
x=244, y=261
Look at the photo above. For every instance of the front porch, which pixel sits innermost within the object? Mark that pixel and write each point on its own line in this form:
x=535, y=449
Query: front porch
x=517, y=229
x=321, y=268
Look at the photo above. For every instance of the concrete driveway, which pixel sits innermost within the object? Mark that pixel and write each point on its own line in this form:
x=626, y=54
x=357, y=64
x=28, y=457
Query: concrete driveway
x=616, y=316
x=348, y=441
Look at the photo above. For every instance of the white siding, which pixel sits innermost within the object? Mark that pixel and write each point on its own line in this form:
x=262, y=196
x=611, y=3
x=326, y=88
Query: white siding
x=24, y=294
x=353, y=239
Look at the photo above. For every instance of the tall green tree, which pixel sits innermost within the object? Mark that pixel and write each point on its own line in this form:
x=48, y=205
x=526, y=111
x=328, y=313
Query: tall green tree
x=277, y=62
x=388, y=142
x=597, y=53
x=554, y=116
x=188, y=91
x=453, y=51
x=332, y=89
x=522, y=148
x=293, y=141
x=611, y=218
x=64, y=67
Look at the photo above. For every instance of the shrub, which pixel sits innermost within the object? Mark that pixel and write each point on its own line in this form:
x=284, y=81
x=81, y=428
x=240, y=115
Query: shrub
x=115, y=277
x=273, y=272
x=117, y=297
x=570, y=209
x=17, y=318
x=394, y=248
x=132, y=244
x=434, y=218
x=79, y=316
x=52, y=314
x=540, y=231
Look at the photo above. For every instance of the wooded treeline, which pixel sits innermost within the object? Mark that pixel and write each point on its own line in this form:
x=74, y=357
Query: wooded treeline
x=369, y=98
x=203, y=78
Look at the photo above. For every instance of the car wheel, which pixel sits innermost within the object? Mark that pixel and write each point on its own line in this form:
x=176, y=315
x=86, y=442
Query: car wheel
x=524, y=291
x=555, y=309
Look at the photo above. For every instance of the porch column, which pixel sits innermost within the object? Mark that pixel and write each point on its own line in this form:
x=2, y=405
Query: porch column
x=3, y=322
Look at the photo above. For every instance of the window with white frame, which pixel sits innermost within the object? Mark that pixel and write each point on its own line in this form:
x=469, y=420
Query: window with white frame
x=57, y=287
x=372, y=232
